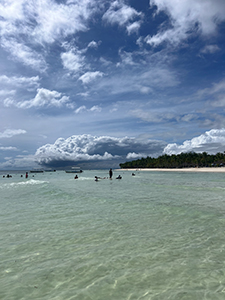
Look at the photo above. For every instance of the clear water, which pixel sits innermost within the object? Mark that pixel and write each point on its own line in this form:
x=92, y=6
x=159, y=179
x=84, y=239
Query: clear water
x=156, y=235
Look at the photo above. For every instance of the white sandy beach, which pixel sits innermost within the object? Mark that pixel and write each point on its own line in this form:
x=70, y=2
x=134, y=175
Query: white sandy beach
x=211, y=170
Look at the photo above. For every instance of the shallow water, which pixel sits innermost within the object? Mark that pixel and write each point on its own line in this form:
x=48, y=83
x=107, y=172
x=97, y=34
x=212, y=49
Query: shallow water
x=156, y=235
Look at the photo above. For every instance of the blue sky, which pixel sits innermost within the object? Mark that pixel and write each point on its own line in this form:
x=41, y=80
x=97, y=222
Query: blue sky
x=99, y=82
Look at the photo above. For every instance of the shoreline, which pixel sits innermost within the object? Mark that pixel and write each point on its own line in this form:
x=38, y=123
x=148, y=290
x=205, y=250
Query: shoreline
x=197, y=170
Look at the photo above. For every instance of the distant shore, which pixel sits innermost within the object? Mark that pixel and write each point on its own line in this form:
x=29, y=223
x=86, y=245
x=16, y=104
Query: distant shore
x=207, y=170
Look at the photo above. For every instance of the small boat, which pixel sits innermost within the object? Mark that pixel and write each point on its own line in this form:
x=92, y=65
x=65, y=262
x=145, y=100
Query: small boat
x=74, y=170
x=36, y=171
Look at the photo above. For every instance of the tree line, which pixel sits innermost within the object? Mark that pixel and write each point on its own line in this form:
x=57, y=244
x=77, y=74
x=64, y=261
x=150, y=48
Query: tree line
x=182, y=160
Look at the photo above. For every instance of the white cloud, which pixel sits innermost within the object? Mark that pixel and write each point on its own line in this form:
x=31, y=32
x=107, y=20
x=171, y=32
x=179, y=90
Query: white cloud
x=212, y=141
x=23, y=53
x=185, y=15
x=120, y=14
x=137, y=81
x=218, y=87
x=43, y=98
x=127, y=58
x=91, y=148
x=59, y=20
x=96, y=108
x=20, y=81
x=90, y=76
x=134, y=155
x=8, y=102
x=189, y=117
x=93, y=44
x=83, y=108
x=210, y=49
x=73, y=60
x=45, y=21
x=8, y=149
x=26, y=25
x=215, y=93
x=80, y=109
x=220, y=101
x=20, y=161
x=7, y=93
x=133, y=27
x=8, y=133
x=153, y=116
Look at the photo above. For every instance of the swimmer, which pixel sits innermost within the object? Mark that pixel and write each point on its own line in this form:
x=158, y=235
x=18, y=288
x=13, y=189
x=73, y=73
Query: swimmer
x=119, y=177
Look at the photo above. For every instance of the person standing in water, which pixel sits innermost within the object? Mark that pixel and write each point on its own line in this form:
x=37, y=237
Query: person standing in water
x=110, y=173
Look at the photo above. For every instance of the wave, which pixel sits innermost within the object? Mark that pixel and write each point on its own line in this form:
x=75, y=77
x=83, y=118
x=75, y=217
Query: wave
x=23, y=183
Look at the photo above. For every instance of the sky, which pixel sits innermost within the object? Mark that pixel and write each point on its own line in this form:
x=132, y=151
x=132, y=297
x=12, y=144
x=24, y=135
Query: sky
x=95, y=83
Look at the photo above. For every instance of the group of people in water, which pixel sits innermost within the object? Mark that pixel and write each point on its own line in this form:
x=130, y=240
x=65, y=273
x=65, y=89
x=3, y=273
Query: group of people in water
x=110, y=176
x=10, y=176
x=76, y=177
x=7, y=176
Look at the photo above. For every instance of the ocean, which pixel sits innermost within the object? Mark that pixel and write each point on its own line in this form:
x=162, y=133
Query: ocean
x=155, y=235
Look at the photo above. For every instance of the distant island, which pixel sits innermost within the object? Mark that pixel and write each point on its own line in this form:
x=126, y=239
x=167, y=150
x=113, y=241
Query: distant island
x=182, y=160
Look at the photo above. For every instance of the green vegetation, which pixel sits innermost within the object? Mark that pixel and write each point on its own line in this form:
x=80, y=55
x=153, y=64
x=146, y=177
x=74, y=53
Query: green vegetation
x=183, y=160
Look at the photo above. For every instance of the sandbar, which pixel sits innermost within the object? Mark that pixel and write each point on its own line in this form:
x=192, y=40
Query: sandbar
x=206, y=170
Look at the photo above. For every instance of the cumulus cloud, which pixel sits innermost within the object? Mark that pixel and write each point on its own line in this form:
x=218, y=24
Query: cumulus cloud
x=43, y=98
x=92, y=44
x=90, y=76
x=212, y=141
x=73, y=60
x=8, y=133
x=133, y=27
x=186, y=17
x=120, y=13
x=134, y=155
x=80, y=148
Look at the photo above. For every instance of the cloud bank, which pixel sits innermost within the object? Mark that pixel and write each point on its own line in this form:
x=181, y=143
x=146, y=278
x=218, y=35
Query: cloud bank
x=212, y=142
x=93, y=152
x=81, y=148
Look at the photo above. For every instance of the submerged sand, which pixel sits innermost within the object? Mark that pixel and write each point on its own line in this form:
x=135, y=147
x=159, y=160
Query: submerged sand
x=216, y=170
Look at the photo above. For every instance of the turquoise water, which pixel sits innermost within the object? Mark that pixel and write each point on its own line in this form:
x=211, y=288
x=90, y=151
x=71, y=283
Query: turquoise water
x=156, y=235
